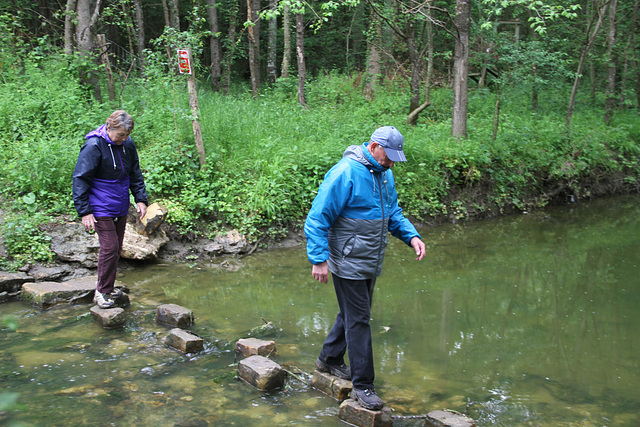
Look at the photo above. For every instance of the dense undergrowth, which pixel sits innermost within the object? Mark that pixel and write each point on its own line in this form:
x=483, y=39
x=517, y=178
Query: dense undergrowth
x=267, y=156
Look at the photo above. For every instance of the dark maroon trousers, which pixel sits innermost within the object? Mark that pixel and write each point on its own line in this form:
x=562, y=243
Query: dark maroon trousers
x=111, y=235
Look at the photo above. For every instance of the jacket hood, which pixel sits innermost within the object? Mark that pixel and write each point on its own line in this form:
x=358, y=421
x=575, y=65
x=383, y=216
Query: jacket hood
x=361, y=154
x=102, y=133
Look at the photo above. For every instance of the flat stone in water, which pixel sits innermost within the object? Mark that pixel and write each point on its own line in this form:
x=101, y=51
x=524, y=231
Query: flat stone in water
x=262, y=373
x=174, y=315
x=46, y=294
x=330, y=384
x=109, y=318
x=448, y=418
x=253, y=346
x=184, y=341
x=351, y=412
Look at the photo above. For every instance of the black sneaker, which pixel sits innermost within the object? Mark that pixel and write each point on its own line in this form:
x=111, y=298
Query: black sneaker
x=367, y=398
x=103, y=300
x=340, y=371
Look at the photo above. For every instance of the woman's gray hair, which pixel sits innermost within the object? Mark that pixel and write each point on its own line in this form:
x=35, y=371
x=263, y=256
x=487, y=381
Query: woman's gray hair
x=120, y=119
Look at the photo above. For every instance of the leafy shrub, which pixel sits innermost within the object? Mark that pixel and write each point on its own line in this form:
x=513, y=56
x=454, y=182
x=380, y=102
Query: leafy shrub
x=25, y=242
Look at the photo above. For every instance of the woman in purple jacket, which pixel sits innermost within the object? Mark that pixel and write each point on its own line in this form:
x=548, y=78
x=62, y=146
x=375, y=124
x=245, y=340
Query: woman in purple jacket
x=107, y=168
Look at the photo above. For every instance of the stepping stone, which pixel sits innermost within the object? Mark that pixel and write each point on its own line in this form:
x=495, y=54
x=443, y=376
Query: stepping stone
x=351, y=412
x=174, y=315
x=109, y=318
x=247, y=347
x=335, y=387
x=262, y=373
x=184, y=341
x=448, y=418
x=46, y=294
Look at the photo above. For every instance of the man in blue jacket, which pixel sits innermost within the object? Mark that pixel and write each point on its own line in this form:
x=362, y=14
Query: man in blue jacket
x=107, y=169
x=347, y=233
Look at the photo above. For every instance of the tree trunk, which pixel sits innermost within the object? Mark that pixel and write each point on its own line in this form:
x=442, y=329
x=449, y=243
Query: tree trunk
x=416, y=67
x=128, y=25
x=461, y=69
x=300, y=55
x=167, y=17
x=600, y=10
x=175, y=14
x=412, y=118
x=104, y=58
x=272, y=69
x=633, y=28
x=140, y=25
x=87, y=43
x=610, y=100
x=374, y=61
x=229, y=53
x=69, y=27
x=256, y=8
x=214, y=44
x=253, y=57
x=286, y=54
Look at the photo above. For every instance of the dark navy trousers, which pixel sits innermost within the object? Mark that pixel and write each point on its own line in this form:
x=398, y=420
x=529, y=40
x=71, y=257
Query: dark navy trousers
x=351, y=330
x=111, y=235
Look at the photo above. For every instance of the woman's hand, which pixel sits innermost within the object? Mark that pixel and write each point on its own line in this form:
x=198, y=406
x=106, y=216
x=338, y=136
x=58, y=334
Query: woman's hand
x=89, y=222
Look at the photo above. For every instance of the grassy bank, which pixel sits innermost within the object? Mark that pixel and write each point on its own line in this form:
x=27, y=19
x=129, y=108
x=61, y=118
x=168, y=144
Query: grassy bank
x=266, y=156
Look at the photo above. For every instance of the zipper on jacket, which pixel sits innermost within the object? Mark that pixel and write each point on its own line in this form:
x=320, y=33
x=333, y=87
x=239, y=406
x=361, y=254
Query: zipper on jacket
x=382, y=230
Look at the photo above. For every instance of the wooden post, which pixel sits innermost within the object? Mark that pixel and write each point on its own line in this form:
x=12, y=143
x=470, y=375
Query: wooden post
x=195, y=111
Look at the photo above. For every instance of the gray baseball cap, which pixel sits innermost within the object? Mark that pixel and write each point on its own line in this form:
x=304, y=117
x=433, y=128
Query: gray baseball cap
x=392, y=141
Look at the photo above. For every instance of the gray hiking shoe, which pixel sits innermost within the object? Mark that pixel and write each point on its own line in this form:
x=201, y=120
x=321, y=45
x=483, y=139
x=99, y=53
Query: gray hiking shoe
x=116, y=293
x=340, y=371
x=367, y=398
x=103, y=300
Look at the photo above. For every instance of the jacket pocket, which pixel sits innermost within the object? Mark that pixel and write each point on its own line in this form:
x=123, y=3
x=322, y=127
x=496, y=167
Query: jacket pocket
x=348, y=246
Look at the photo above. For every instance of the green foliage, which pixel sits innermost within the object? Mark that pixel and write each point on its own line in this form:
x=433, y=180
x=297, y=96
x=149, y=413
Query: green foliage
x=24, y=241
x=267, y=156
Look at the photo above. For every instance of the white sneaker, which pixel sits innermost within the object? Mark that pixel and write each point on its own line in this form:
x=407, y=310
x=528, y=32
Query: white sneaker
x=103, y=300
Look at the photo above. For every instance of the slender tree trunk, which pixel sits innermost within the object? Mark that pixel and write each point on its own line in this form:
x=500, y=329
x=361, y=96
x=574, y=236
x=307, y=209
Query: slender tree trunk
x=633, y=28
x=600, y=11
x=272, y=68
x=253, y=57
x=175, y=14
x=229, y=53
x=140, y=25
x=374, y=61
x=461, y=69
x=416, y=67
x=256, y=35
x=412, y=118
x=104, y=58
x=86, y=39
x=610, y=101
x=128, y=24
x=69, y=27
x=286, y=53
x=214, y=44
x=167, y=17
x=300, y=55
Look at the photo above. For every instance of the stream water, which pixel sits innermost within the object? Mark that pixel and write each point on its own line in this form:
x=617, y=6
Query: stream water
x=525, y=320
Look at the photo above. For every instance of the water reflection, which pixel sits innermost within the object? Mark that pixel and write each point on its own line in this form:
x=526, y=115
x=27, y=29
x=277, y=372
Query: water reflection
x=524, y=320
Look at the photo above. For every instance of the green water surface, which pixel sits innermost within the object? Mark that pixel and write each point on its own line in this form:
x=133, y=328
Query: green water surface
x=526, y=320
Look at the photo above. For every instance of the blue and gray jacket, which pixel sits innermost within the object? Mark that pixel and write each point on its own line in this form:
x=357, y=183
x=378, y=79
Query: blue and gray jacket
x=356, y=206
x=104, y=174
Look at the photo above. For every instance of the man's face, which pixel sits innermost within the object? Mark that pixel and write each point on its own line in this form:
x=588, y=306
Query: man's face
x=379, y=154
x=118, y=135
